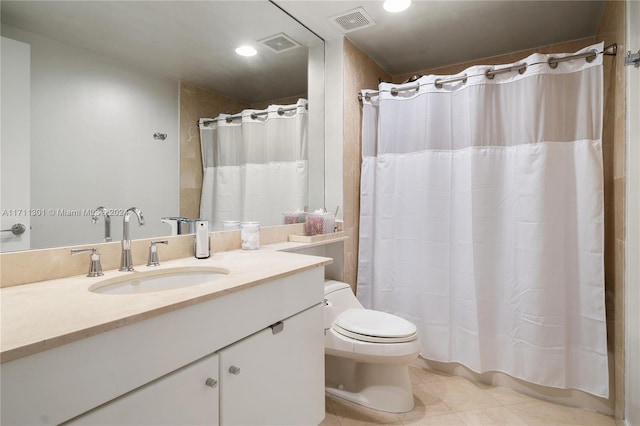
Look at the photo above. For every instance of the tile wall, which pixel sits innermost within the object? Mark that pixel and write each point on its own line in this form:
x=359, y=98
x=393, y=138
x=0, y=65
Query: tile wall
x=613, y=29
x=360, y=72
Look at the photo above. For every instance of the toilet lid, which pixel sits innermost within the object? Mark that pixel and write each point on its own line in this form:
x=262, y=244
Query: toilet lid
x=374, y=326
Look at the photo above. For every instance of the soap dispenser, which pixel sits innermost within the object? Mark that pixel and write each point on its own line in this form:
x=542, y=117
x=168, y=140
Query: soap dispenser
x=202, y=239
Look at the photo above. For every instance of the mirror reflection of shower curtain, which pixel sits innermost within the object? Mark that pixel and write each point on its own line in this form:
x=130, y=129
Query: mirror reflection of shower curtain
x=254, y=169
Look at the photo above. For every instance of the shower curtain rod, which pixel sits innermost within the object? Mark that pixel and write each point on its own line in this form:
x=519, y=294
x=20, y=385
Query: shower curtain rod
x=610, y=50
x=254, y=115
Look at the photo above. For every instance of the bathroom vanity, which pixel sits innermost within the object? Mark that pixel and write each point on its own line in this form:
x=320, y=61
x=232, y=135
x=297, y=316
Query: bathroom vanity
x=246, y=348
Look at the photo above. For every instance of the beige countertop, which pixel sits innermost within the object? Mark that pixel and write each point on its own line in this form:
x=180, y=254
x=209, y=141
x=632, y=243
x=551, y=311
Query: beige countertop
x=43, y=315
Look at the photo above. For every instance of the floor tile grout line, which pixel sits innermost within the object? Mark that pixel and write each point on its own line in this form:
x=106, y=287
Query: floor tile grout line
x=516, y=414
x=460, y=418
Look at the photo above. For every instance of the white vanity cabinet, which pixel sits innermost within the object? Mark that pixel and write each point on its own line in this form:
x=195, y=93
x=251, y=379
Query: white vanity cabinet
x=188, y=396
x=154, y=370
x=276, y=376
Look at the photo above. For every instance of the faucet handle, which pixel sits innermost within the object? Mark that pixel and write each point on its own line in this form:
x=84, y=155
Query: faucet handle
x=153, y=252
x=95, y=267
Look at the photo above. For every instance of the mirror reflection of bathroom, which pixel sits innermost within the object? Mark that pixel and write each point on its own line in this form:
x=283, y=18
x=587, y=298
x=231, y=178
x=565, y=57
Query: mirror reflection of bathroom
x=255, y=164
x=109, y=118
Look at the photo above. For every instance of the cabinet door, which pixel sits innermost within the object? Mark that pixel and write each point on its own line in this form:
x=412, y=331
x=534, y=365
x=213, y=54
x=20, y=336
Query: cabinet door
x=276, y=376
x=188, y=396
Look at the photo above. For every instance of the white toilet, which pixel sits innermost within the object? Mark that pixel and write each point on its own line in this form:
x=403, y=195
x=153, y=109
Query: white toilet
x=367, y=352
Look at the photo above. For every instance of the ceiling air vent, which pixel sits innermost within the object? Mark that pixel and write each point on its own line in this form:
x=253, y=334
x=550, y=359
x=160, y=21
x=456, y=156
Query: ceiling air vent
x=352, y=20
x=279, y=43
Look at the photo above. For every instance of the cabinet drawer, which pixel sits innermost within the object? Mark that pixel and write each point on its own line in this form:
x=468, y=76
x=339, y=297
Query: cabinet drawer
x=184, y=397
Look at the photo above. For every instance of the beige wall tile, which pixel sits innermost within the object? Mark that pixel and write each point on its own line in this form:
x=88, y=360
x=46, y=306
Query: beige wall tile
x=619, y=199
x=619, y=147
x=47, y=264
x=360, y=72
x=273, y=234
x=613, y=29
x=619, y=331
x=190, y=202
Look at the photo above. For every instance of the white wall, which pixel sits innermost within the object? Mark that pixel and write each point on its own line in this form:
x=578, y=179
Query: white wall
x=92, y=126
x=632, y=297
x=316, y=76
x=15, y=141
x=334, y=124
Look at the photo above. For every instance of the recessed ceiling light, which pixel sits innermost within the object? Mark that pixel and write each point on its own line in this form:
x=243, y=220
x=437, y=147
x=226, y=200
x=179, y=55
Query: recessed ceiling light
x=396, y=5
x=246, y=51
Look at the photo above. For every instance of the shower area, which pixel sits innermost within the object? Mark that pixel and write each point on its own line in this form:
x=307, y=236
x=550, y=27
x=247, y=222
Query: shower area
x=470, y=183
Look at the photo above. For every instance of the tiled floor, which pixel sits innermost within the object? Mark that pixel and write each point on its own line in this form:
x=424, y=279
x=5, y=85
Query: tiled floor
x=451, y=400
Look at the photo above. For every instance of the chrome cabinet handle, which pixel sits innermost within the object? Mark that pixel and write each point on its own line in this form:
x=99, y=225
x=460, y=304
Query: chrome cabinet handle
x=16, y=229
x=234, y=370
x=212, y=383
x=277, y=327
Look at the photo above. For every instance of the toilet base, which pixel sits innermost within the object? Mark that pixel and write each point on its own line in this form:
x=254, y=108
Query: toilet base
x=383, y=387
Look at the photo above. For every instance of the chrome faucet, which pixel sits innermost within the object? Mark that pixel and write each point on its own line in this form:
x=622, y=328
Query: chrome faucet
x=153, y=253
x=126, y=264
x=107, y=222
x=95, y=267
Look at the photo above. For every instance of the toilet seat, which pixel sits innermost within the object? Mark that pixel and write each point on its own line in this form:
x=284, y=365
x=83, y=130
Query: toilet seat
x=374, y=326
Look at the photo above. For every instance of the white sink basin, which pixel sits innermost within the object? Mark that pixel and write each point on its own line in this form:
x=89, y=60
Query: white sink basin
x=168, y=279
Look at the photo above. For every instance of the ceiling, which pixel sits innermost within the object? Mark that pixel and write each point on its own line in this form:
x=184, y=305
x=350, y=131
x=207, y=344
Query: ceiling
x=193, y=41
x=435, y=33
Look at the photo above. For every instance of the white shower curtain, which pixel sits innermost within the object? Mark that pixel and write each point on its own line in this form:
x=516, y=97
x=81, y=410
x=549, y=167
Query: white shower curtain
x=254, y=167
x=482, y=219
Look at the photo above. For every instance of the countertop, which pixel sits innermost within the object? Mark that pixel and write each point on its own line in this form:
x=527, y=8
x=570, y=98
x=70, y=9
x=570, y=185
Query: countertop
x=44, y=315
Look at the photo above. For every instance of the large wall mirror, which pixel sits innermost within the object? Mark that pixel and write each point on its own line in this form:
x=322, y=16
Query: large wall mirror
x=101, y=102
